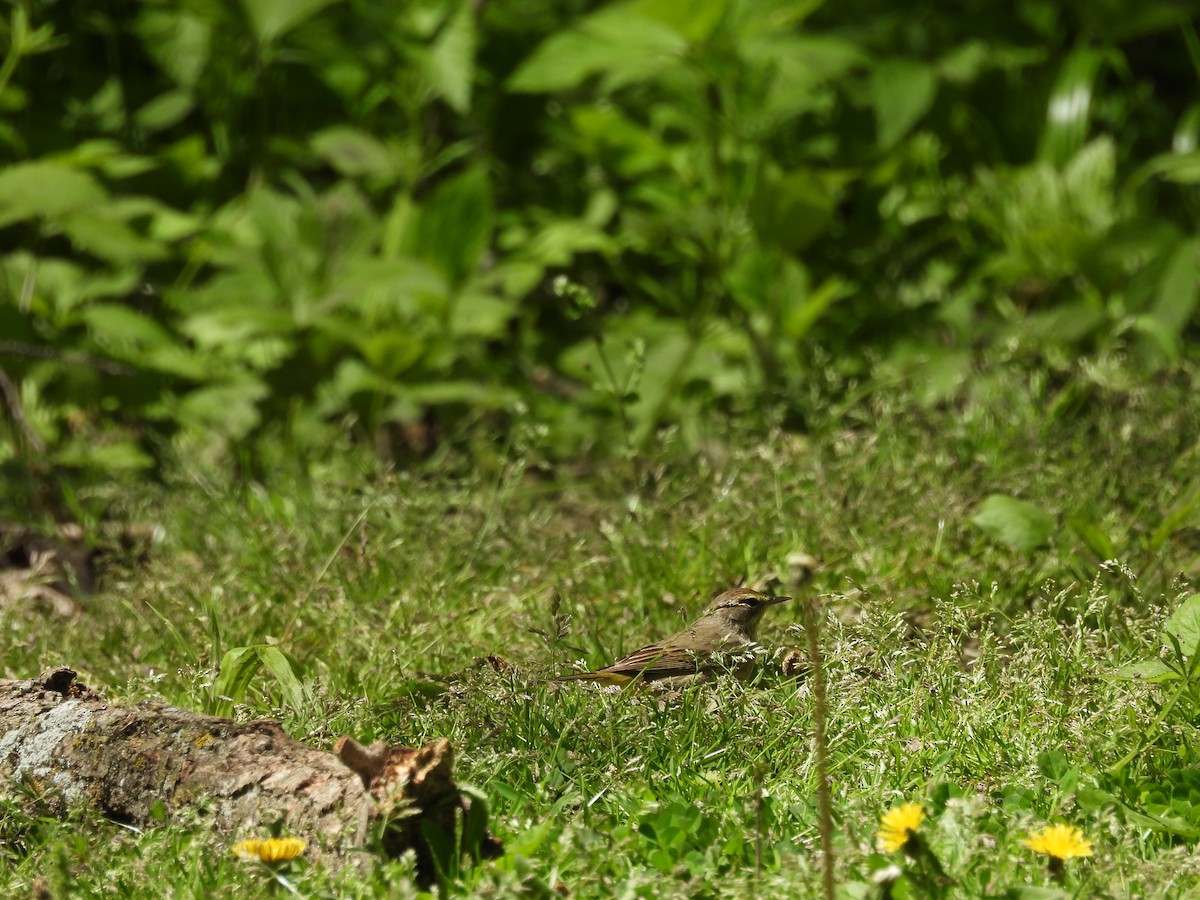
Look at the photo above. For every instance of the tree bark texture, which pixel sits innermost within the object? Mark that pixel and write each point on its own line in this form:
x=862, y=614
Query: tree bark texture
x=65, y=743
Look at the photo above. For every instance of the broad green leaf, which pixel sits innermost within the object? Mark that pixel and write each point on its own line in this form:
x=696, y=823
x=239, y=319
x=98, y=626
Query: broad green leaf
x=755, y=272
x=694, y=19
x=1015, y=522
x=798, y=66
x=963, y=63
x=1054, y=765
x=901, y=92
x=46, y=190
x=615, y=42
x=1089, y=176
x=391, y=352
x=107, y=237
x=165, y=110
x=233, y=326
x=480, y=314
x=1154, y=671
x=179, y=41
x=791, y=210
x=384, y=291
x=270, y=19
x=107, y=157
x=352, y=151
x=168, y=225
x=455, y=224
x=115, y=325
x=1091, y=799
x=1162, y=343
x=450, y=63
x=229, y=410
x=1184, y=624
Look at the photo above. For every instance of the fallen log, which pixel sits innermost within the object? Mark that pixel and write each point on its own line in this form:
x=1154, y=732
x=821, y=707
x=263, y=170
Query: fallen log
x=142, y=763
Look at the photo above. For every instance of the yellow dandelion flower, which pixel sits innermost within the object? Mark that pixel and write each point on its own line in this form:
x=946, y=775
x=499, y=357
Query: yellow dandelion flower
x=271, y=851
x=898, y=825
x=1059, y=841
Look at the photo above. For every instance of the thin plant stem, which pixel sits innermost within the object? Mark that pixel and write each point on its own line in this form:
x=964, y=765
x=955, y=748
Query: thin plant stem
x=812, y=630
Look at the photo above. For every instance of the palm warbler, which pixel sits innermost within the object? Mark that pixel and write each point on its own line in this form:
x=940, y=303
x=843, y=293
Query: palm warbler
x=721, y=640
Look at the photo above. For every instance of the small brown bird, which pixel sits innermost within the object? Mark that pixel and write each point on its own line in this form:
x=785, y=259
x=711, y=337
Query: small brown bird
x=721, y=640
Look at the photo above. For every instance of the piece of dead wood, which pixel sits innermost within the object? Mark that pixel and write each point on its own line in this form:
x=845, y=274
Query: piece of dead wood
x=64, y=743
x=47, y=570
x=56, y=568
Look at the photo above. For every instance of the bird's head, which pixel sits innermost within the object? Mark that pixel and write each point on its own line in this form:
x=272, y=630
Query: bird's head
x=741, y=609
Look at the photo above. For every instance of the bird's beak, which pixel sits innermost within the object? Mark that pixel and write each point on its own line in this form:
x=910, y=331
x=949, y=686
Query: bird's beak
x=774, y=600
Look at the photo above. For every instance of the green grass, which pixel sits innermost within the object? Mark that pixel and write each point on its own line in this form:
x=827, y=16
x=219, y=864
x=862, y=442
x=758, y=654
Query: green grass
x=963, y=673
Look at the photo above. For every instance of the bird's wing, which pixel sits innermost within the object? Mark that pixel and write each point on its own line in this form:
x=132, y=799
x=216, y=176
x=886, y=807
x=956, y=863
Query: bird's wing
x=652, y=663
x=665, y=660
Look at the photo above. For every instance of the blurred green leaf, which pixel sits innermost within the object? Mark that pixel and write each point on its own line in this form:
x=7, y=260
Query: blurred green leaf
x=1181, y=168
x=47, y=190
x=271, y=19
x=615, y=41
x=1093, y=536
x=1178, y=293
x=119, y=456
x=1184, y=624
x=1068, y=114
x=165, y=110
x=1015, y=522
x=791, y=210
x=1154, y=671
x=802, y=314
x=1180, y=514
x=229, y=410
x=119, y=326
x=179, y=40
x=902, y=91
x=107, y=237
x=1186, y=139
x=694, y=19
x=964, y=63
x=354, y=152
x=455, y=224
x=450, y=64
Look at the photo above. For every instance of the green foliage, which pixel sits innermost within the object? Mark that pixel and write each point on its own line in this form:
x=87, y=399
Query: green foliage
x=224, y=222
x=1181, y=634
x=238, y=668
x=1015, y=522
